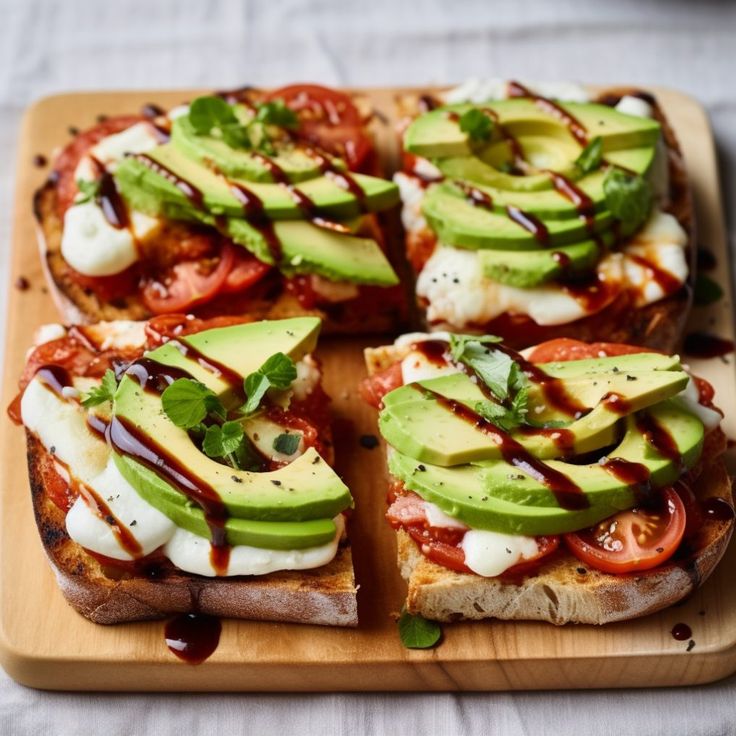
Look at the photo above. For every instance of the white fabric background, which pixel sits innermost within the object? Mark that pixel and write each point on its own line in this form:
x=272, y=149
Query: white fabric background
x=51, y=46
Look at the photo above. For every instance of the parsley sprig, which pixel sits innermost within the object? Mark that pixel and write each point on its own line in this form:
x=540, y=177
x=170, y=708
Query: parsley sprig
x=102, y=393
x=214, y=116
x=277, y=372
x=501, y=373
x=477, y=125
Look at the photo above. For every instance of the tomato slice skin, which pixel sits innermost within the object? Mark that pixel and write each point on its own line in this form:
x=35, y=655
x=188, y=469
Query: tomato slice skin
x=246, y=272
x=634, y=540
x=564, y=348
x=188, y=283
x=328, y=119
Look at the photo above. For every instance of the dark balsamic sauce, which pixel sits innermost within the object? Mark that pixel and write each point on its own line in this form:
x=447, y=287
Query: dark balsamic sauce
x=705, y=345
x=435, y=352
x=576, y=128
x=530, y=223
x=55, y=378
x=706, y=259
x=658, y=437
x=22, y=283
x=97, y=425
x=718, y=509
x=122, y=534
x=579, y=199
x=681, y=632
x=111, y=203
x=616, y=403
x=427, y=103
x=193, y=637
x=231, y=377
x=152, y=110
x=667, y=282
x=475, y=196
x=632, y=474
x=563, y=438
x=40, y=160
x=562, y=259
x=568, y=495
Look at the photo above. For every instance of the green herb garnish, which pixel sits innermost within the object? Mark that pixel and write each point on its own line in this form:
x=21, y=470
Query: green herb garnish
x=277, y=113
x=287, y=444
x=102, y=393
x=220, y=441
x=628, y=197
x=187, y=402
x=417, y=632
x=476, y=124
x=507, y=418
x=89, y=190
x=591, y=156
x=277, y=372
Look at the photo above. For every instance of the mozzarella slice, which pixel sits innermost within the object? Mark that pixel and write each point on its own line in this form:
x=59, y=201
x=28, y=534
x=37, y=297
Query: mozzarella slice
x=263, y=432
x=308, y=375
x=439, y=519
x=147, y=524
x=491, y=553
x=192, y=553
x=92, y=246
x=481, y=90
x=138, y=138
x=689, y=399
x=630, y=105
x=412, y=194
x=416, y=367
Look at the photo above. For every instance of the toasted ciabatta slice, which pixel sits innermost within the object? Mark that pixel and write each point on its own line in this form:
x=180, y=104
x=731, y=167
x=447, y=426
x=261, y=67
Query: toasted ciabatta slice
x=659, y=324
x=343, y=307
x=106, y=594
x=564, y=590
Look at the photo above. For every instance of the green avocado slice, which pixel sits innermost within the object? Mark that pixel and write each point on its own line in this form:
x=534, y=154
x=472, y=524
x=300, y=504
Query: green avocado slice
x=414, y=423
x=497, y=496
x=458, y=222
x=162, y=463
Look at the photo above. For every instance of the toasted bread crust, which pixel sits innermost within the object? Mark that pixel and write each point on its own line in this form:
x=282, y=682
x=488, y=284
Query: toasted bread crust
x=325, y=596
x=658, y=325
x=563, y=590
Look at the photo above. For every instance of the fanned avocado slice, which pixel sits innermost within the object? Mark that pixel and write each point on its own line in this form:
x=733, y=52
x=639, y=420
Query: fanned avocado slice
x=415, y=423
x=291, y=507
x=501, y=497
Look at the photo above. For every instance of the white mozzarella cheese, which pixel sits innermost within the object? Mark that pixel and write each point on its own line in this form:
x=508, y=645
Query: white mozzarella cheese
x=178, y=111
x=408, y=339
x=491, y=553
x=412, y=194
x=438, y=518
x=689, y=400
x=481, y=90
x=117, y=334
x=308, y=375
x=416, y=367
x=138, y=138
x=92, y=246
x=192, y=553
x=630, y=105
x=263, y=432
x=145, y=523
x=48, y=332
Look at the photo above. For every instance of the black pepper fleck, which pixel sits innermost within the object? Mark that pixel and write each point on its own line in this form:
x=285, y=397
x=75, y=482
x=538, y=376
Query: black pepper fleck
x=690, y=645
x=369, y=441
x=421, y=467
x=582, y=571
x=276, y=482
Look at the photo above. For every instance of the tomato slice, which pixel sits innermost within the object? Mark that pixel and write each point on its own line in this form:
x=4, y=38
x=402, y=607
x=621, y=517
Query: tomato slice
x=373, y=388
x=328, y=119
x=564, y=348
x=638, y=539
x=188, y=283
x=248, y=270
x=108, y=288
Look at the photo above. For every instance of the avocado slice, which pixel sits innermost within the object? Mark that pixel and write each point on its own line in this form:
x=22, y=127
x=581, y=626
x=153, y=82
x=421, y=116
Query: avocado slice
x=291, y=507
x=437, y=134
x=497, y=496
x=181, y=176
x=463, y=224
x=296, y=164
x=415, y=423
x=527, y=269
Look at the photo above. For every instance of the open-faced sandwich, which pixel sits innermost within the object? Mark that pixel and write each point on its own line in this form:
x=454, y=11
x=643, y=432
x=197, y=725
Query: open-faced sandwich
x=240, y=203
x=574, y=482
x=540, y=211
x=182, y=465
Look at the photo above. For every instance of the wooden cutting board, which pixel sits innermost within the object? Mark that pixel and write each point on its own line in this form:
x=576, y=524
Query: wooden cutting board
x=44, y=643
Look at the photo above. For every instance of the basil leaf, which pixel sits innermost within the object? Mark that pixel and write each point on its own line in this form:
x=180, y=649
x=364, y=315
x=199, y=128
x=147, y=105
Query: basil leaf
x=184, y=402
x=280, y=370
x=493, y=367
x=206, y=113
x=706, y=291
x=458, y=343
x=506, y=418
x=214, y=406
x=89, y=190
x=256, y=385
x=225, y=440
x=476, y=124
x=417, y=632
x=628, y=197
x=212, y=442
x=287, y=444
x=276, y=112
x=102, y=393
x=591, y=156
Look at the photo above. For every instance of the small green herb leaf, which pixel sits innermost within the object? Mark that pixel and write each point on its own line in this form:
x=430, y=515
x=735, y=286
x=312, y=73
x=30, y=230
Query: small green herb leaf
x=280, y=370
x=222, y=440
x=185, y=402
x=256, y=385
x=458, y=343
x=102, y=393
x=591, y=156
x=276, y=112
x=214, y=406
x=206, y=113
x=247, y=457
x=88, y=189
x=287, y=444
x=417, y=632
x=476, y=124
x=706, y=291
x=628, y=197
x=507, y=418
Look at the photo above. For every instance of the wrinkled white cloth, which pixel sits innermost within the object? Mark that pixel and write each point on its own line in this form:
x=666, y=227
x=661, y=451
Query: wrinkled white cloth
x=49, y=46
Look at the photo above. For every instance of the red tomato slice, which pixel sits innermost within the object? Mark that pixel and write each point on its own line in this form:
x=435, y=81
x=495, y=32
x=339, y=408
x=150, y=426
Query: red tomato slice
x=373, y=388
x=634, y=540
x=108, y=288
x=188, y=283
x=328, y=119
x=564, y=348
x=248, y=270
x=166, y=326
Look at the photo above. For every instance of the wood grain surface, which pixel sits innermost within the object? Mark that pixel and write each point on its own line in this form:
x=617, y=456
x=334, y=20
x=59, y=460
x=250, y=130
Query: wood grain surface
x=44, y=643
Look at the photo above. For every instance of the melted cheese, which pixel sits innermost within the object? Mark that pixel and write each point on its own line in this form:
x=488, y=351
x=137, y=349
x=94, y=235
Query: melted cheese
x=491, y=553
x=630, y=105
x=412, y=194
x=481, y=90
x=139, y=138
